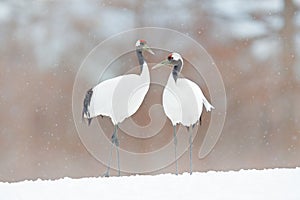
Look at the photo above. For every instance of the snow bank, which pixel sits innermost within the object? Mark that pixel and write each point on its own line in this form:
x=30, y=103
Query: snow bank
x=245, y=184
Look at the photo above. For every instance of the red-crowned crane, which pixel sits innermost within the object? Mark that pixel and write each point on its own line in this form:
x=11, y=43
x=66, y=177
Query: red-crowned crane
x=119, y=98
x=182, y=100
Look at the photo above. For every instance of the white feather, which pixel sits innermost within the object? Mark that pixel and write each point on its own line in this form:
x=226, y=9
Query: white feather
x=183, y=101
x=119, y=97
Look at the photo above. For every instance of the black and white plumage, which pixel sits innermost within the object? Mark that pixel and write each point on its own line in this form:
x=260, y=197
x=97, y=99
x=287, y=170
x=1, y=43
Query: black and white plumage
x=182, y=100
x=86, y=104
x=119, y=97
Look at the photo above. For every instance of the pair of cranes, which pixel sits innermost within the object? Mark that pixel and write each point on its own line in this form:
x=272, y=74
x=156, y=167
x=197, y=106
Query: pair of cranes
x=120, y=97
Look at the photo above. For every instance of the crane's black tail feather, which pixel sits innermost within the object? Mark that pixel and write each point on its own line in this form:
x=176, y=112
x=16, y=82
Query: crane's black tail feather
x=86, y=104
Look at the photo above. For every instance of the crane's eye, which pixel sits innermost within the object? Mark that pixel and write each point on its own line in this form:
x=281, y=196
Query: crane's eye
x=142, y=42
x=170, y=57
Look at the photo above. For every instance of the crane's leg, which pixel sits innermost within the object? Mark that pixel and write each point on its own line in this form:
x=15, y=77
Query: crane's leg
x=190, y=129
x=113, y=140
x=106, y=174
x=117, y=143
x=175, y=146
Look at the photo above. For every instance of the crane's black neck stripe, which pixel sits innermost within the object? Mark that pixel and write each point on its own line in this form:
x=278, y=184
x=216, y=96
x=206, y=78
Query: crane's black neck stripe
x=140, y=57
x=176, y=70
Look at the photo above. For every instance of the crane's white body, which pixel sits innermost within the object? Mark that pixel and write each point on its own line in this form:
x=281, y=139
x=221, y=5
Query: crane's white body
x=183, y=101
x=119, y=97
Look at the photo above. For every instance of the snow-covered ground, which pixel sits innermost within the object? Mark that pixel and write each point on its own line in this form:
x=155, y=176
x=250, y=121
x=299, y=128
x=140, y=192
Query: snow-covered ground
x=245, y=184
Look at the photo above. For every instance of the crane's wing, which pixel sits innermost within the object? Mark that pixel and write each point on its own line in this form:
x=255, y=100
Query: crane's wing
x=172, y=104
x=117, y=98
x=98, y=99
x=86, y=104
x=137, y=96
x=128, y=96
x=199, y=95
x=191, y=102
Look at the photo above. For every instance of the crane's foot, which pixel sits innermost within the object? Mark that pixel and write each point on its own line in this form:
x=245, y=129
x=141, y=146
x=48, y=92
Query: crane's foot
x=191, y=152
x=106, y=174
x=118, y=160
x=115, y=141
x=175, y=149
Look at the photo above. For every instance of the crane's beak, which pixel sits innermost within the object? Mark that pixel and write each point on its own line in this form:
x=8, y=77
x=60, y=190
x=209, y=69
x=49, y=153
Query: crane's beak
x=161, y=64
x=147, y=48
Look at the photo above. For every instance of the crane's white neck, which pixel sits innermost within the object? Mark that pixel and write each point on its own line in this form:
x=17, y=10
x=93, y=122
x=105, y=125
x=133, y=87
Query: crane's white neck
x=171, y=81
x=145, y=75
